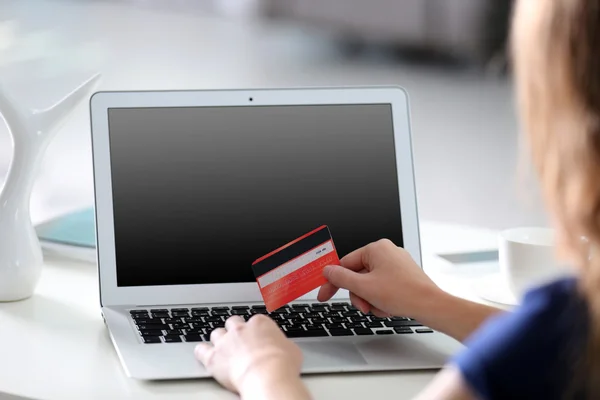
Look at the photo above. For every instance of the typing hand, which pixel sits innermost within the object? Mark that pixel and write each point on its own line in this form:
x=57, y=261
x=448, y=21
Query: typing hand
x=383, y=279
x=254, y=359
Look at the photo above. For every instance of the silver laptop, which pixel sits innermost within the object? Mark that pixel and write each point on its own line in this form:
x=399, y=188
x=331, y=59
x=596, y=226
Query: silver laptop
x=193, y=186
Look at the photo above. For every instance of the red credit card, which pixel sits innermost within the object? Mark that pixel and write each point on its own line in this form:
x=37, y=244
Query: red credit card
x=295, y=269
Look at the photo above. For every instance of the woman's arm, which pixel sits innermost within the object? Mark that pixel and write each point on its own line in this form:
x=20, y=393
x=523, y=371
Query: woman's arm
x=383, y=279
x=454, y=316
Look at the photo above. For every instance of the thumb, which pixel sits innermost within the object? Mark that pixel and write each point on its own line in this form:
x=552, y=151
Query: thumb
x=346, y=279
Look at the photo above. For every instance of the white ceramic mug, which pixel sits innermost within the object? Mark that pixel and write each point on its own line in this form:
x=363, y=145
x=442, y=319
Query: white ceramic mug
x=527, y=258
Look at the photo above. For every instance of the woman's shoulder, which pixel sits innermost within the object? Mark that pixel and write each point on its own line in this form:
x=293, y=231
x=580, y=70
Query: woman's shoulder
x=527, y=351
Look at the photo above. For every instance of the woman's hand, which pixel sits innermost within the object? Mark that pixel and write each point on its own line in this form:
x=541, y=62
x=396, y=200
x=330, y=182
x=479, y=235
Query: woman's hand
x=384, y=279
x=254, y=359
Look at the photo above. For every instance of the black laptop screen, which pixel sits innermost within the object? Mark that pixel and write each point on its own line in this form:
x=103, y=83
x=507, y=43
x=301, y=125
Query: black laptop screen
x=199, y=193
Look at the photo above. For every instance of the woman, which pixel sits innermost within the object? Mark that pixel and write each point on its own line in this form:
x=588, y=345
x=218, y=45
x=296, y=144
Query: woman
x=550, y=346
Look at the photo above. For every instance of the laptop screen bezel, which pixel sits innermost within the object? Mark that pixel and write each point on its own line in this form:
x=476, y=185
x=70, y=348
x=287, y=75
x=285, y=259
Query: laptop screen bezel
x=101, y=102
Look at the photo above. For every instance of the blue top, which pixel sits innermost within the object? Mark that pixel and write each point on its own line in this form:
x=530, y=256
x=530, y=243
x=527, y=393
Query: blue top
x=530, y=353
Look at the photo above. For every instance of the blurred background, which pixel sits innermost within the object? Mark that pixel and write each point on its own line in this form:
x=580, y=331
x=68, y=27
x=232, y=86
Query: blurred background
x=449, y=54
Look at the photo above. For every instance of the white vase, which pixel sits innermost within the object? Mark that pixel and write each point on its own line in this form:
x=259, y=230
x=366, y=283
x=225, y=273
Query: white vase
x=31, y=131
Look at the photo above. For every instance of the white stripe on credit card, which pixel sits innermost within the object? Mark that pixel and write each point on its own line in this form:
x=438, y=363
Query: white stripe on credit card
x=295, y=264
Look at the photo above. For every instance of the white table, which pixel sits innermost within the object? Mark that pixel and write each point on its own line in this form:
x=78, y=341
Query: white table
x=54, y=346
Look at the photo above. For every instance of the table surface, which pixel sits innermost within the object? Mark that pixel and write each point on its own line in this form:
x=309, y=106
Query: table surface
x=55, y=345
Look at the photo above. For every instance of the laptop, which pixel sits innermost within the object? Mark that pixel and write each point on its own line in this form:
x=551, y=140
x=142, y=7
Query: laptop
x=192, y=186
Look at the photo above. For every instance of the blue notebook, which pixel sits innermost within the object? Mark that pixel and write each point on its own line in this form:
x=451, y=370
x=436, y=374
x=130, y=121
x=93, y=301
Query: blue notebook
x=71, y=235
x=74, y=229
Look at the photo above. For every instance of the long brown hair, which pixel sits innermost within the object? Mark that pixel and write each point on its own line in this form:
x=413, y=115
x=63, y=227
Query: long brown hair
x=556, y=57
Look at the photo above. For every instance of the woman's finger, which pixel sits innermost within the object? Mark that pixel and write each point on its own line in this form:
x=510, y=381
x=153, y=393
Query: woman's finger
x=378, y=313
x=360, y=303
x=204, y=352
x=326, y=292
x=356, y=260
x=217, y=334
x=234, y=322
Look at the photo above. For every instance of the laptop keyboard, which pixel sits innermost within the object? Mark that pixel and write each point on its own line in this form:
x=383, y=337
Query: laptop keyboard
x=296, y=321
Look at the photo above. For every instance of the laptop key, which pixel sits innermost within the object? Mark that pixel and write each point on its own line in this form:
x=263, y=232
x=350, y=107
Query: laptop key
x=358, y=318
x=148, y=321
x=160, y=315
x=199, y=309
x=240, y=308
x=142, y=317
x=341, y=332
x=363, y=331
x=180, y=314
x=138, y=311
x=339, y=320
x=350, y=313
x=313, y=315
x=385, y=332
x=424, y=330
x=172, y=338
x=331, y=314
x=192, y=320
x=374, y=324
x=403, y=330
x=400, y=319
x=173, y=332
x=220, y=312
x=180, y=310
x=239, y=312
x=159, y=310
x=309, y=333
x=338, y=308
x=220, y=308
x=172, y=320
x=401, y=323
x=334, y=326
x=259, y=307
x=313, y=327
x=153, y=326
x=193, y=338
x=300, y=305
x=354, y=325
x=151, y=332
x=200, y=313
x=339, y=304
x=151, y=339
x=294, y=328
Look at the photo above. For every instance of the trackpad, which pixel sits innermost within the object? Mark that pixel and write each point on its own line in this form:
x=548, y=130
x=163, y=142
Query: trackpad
x=330, y=355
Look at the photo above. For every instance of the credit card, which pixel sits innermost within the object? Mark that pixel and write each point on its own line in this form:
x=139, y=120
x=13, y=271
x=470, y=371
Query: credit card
x=295, y=269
